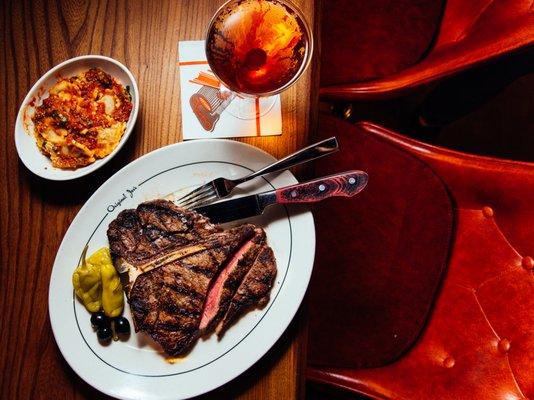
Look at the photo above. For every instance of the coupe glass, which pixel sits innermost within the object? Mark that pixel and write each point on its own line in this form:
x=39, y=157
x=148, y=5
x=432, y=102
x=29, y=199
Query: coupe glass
x=257, y=49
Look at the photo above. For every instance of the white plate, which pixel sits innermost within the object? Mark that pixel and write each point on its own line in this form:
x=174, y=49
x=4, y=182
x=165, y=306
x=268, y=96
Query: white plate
x=27, y=149
x=135, y=368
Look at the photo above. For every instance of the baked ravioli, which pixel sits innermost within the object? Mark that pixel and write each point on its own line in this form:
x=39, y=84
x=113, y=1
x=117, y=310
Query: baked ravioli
x=83, y=119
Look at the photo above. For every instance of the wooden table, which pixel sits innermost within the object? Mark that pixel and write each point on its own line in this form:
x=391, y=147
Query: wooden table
x=35, y=213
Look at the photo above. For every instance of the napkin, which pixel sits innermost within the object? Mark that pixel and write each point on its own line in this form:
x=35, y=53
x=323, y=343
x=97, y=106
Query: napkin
x=210, y=110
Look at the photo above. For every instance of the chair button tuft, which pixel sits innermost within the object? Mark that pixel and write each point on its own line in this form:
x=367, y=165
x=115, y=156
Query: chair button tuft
x=449, y=362
x=527, y=262
x=504, y=345
x=347, y=112
x=487, y=211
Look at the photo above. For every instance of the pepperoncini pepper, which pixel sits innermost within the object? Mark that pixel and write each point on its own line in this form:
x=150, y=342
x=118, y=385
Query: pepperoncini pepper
x=97, y=283
x=112, y=295
x=86, y=280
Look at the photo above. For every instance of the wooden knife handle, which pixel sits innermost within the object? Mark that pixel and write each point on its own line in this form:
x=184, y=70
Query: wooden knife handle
x=345, y=184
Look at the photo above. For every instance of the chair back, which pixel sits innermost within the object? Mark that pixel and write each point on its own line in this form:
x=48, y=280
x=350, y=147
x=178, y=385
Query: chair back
x=478, y=340
x=469, y=33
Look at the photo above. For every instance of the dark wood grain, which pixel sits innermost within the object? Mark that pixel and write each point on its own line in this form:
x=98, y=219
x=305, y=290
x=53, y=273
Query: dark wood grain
x=35, y=213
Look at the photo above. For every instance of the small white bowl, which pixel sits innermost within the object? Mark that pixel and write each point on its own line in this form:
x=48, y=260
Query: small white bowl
x=27, y=149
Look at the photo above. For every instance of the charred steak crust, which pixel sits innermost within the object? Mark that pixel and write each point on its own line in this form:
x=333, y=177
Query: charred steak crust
x=154, y=226
x=167, y=302
x=179, y=269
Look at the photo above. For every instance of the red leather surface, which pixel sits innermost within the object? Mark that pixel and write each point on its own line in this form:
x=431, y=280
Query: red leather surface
x=471, y=32
x=373, y=284
x=364, y=39
x=479, y=339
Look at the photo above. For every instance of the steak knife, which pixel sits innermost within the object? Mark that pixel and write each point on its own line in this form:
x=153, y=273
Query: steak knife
x=345, y=184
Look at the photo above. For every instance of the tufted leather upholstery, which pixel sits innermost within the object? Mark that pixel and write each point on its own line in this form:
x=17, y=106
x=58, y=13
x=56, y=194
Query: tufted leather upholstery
x=470, y=32
x=478, y=342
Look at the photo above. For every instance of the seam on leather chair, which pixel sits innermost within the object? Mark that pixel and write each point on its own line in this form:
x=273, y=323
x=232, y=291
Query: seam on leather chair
x=366, y=40
x=422, y=317
x=514, y=34
x=500, y=297
x=451, y=233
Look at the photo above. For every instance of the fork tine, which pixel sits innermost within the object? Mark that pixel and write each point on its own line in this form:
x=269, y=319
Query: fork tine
x=207, y=198
x=202, y=203
x=201, y=199
x=198, y=197
x=198, y=191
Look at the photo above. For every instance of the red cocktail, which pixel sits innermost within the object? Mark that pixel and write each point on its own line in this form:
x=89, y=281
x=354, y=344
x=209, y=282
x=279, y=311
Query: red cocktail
x=258, y=47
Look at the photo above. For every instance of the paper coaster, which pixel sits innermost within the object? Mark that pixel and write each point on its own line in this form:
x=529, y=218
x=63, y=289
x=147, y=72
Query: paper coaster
x=209, y=110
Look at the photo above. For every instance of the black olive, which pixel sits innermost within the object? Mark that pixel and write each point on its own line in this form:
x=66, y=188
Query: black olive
x=122, y=326
x=99, y=320
x=104, y=334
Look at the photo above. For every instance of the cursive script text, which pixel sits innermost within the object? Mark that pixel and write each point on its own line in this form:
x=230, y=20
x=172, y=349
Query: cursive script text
x=118, y=203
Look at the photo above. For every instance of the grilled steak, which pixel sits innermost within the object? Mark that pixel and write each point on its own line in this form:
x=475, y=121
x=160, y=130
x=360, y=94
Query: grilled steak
x=229, y=279
x=154, y=228
x=167, y=301
x=253, y=291
x=185, y=276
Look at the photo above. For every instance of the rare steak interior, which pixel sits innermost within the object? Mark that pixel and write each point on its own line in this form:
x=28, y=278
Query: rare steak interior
x=186, y=277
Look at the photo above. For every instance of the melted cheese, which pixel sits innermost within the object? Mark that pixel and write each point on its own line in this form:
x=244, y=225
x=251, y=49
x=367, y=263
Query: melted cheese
x=83, y=119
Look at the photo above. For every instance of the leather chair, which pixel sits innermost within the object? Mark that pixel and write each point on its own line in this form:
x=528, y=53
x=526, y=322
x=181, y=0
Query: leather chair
x=382, y=48
x=423, y=286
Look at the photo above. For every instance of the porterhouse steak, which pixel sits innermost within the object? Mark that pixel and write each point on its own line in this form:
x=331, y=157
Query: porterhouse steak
x=186, y=277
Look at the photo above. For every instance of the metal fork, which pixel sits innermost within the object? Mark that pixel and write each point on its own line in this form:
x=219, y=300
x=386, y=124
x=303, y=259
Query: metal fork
x=222, y=187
